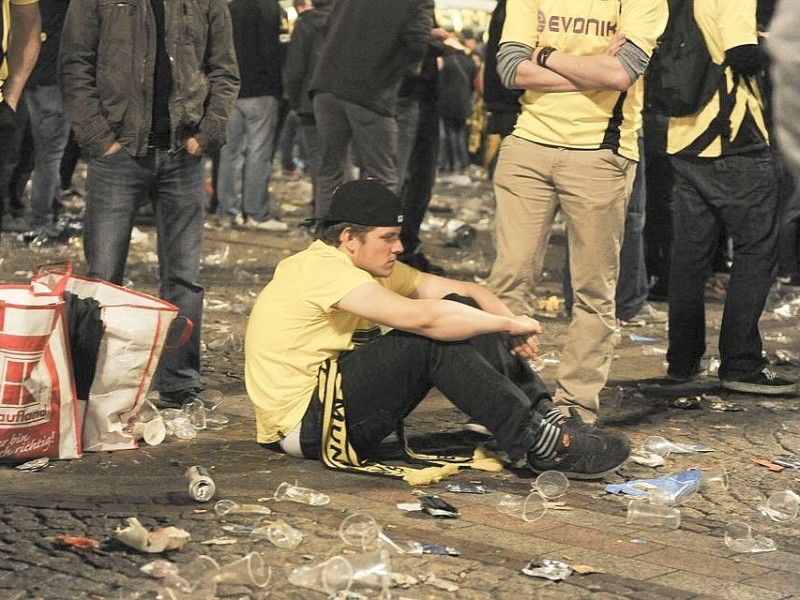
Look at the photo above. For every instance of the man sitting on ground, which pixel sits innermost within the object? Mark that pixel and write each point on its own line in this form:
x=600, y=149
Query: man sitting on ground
x=327, y=384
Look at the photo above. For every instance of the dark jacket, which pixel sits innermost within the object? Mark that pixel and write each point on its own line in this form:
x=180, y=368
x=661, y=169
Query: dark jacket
x=106, y=68
x=369, y=46
x=257, y=27
x=46, y=70
x=456, y=86
x=303, y=54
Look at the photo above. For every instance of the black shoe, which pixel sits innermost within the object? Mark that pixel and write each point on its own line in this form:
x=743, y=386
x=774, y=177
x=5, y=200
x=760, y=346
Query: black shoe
x=679, y=376
x=765, y=382
x=585, y=454
x=179, y=398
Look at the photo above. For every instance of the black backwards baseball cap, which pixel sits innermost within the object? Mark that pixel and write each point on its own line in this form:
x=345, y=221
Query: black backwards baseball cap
x=365, y=202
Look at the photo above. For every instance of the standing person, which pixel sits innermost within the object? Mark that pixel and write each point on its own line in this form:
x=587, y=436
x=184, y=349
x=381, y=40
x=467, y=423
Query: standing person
x=252, y=130
x=369, y=46
x=784, y=47
x=21, y=28
x=49, y=125
x=145, y=114
x=574, y=147
x=327, y=385
x=301, y=58
x=724, y=176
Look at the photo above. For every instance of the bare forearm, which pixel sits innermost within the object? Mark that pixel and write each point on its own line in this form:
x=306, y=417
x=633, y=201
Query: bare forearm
x=23, y=49
x=451, y=321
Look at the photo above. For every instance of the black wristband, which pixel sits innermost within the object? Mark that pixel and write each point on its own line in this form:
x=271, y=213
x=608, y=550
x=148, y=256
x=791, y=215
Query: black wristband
x=544, y=54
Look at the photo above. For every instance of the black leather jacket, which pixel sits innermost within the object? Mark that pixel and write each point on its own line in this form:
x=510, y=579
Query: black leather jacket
x=107, y=62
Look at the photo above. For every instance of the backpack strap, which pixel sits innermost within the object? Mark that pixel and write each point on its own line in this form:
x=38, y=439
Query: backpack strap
x=721, y=124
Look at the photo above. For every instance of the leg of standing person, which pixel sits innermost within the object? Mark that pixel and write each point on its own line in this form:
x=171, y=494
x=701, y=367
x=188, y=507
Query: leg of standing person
x=658, y=223
x=375, y=140
x=407, y=126
x=593, y=192
x=231, y=164
x=69, y=160
x=260, y=116
x=526, y=206
x=335, y=134
x=50, y=131
x=695, y=234
x=178, y=199
x=311, y=143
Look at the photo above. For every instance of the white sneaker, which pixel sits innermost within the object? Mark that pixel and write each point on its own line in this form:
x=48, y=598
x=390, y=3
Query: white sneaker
x=269, y=225
x=648, y=315
x=239, y=221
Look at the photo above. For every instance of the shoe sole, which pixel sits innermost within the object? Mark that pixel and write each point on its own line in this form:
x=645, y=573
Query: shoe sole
x=757, y=388
x=579, y=475
x=476, y=428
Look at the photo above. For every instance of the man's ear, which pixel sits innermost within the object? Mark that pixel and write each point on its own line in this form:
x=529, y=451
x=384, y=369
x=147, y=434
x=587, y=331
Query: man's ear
x=346, y=237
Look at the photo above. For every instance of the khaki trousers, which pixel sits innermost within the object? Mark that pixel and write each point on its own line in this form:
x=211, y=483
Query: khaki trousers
x=592, y=189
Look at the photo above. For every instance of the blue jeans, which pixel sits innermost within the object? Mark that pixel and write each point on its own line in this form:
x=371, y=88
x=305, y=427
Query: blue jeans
x=290, y=135
x=456, y=153
x=116, y=185
x=50, y=131
x=384, y=380
x=374, y=136
x=251, y=140
x=739, y=193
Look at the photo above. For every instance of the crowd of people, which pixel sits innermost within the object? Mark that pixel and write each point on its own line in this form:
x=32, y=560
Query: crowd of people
x=564, y=108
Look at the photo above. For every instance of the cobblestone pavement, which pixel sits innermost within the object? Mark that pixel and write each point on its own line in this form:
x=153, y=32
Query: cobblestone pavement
x=94, y=496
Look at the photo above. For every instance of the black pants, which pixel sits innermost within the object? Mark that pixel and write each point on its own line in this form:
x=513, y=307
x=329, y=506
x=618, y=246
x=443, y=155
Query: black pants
x=384, y=380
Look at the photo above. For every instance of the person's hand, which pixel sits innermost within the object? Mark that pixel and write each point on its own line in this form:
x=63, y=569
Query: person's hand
x=193, y=147
x=616, y=43
x=439, y=33
x=113, y=148
x=523, y=340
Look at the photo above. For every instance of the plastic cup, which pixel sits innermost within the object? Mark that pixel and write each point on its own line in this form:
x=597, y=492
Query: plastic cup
x=194, y=580
x=529, y=509
x=552, y=484
x=248, y=570
x=279, y=533
x=372, y=569
x=295, y=493
x=781, y=507
x=673, y=497
x=151, y=432
x=739, y=538
x=360, y=530
x=716, y=476
x=229, y=507
x=653, y=515
x=332, y=576
x=196, y=413
x=147, y=411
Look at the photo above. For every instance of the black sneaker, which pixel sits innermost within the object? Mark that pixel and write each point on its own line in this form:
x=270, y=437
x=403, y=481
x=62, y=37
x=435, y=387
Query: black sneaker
x=678, y=376
x=179, y=398
x=765, y=382
x=585, y=455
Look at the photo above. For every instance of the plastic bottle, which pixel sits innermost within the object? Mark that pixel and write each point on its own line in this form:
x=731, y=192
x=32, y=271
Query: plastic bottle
x=201, y=487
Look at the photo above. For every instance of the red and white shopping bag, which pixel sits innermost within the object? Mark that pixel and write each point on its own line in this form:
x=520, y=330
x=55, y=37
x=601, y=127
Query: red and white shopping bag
x=38, y=408
x=135, y=332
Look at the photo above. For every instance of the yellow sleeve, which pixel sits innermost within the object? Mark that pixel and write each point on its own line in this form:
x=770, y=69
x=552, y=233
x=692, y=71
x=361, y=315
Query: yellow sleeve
x=403, y=280
x=522, y=22
x=643, y=21
x=737, y=23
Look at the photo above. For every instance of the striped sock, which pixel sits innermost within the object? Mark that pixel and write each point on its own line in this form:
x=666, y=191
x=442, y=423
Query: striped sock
x=553, y=416
x=545, y=446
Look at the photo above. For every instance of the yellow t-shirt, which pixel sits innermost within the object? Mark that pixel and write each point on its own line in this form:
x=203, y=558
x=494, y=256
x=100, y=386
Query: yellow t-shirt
x=294, y=328
x=589, y=119
x=725, y=25
x=6, y=24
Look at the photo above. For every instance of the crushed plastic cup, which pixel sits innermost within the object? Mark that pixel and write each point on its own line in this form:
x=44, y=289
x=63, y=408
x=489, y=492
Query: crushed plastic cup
x=193, y=581
x=279, y=533
x=179, y=424
x=147, y=412
x=529, y=509
x=552, y=484
x=360, y=530
x=229, y=507
x=663, y=447
x=653, y=515
x=372, y=569
x=303, y=495
x=196, y=413
x=739, y=538
x=332, y=576
x=248, y=570
x=715, y=476
x=680, y=493
x=781, y=507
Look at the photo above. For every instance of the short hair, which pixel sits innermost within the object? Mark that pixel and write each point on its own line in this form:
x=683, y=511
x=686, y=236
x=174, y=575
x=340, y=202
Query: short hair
x=330, y=231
